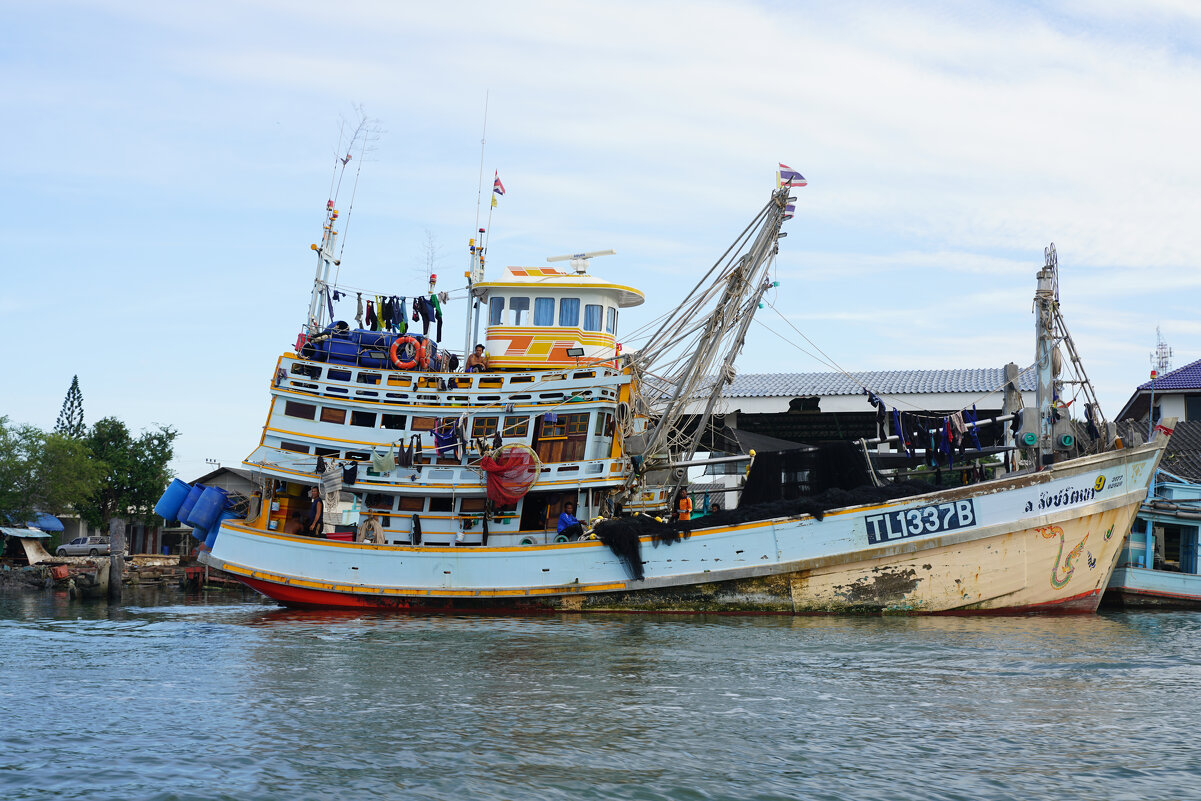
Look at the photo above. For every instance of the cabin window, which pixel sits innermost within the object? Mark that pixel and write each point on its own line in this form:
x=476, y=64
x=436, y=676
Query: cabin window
x=496, y=310
x=516, y=427
x=411, y=503
x=611, y=321
x=378, y=500
x=483, y=426
x=592, y=317
x=305, y=411
x=331, y=415
x=310, y=370
x=396, y=422
x=328, y=453
x=441, y=504
x=368, y=378
x=520, y=307
x=364, y=419
x=471, y=505
x=356, y=456
x=544, y=311
x=602, y=423
x=569, y=312
x=338, y=375
x=424, y=423
x=577, y=424
x=295, y=447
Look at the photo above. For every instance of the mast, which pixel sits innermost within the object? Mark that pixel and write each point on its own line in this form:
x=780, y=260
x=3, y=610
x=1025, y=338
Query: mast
x=325, y=260
x=706, y=333
x=1046, y=296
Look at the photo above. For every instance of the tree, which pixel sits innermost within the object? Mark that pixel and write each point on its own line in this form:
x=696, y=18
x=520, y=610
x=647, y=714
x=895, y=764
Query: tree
x=134, y=471
x=42, y=472
x=70, y=418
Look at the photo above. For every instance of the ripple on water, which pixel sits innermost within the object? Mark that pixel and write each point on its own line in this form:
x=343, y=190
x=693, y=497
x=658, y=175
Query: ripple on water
x=247, y=700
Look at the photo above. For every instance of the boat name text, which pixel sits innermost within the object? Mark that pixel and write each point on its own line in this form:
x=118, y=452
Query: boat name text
x=932, y=519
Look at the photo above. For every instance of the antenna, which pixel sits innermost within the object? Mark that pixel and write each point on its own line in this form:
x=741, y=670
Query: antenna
x=579, y=261
x=1162, y=357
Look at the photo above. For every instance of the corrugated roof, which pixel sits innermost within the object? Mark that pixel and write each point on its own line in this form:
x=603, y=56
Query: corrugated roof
x=886, y=382
x=1187, y=377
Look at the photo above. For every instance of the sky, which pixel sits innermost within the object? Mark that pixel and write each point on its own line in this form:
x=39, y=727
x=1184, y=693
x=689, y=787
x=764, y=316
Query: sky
x=166, y=167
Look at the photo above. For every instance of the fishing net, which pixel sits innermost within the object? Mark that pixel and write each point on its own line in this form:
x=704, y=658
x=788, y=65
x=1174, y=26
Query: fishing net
x=622, y=534
x=512, y=470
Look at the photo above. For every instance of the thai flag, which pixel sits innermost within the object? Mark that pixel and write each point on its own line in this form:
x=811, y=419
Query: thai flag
x=789, y=211
x=787, y=176
x=499, y=188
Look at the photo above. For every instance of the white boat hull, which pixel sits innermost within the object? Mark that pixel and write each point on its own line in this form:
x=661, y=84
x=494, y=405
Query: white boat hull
x=1041, y=542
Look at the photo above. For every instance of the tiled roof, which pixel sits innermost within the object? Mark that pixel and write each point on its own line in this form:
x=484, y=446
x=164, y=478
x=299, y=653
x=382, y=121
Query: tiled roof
x=887, y=382
x=1187, y=377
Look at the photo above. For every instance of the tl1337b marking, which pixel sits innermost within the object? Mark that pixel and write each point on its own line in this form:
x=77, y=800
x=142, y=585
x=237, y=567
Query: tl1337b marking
x=933, y=519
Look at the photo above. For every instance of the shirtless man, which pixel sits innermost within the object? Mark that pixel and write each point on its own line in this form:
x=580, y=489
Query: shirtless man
x=477, y=362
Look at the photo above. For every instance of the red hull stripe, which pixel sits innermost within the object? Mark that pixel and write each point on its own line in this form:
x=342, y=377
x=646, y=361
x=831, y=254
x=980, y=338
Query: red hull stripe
x=291, y=595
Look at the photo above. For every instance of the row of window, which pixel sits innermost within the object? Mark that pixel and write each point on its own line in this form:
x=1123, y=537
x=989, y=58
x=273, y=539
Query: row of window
x=514, y=426
x=544, y=313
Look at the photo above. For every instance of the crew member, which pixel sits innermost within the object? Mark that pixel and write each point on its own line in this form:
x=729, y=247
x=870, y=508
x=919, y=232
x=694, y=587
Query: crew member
x=477, y=362
x=568, y=524
x=683, y=505
x=315, y=522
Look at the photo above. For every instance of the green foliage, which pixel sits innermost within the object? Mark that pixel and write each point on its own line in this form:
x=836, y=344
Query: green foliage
x=134, y=471
x=70, y=418
x=42, y=472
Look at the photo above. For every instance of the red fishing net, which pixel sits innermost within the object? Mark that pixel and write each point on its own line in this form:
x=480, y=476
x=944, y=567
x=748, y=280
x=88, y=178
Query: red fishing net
x=512, y=470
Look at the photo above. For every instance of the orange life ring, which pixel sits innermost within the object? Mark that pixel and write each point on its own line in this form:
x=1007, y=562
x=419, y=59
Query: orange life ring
x=418, y=355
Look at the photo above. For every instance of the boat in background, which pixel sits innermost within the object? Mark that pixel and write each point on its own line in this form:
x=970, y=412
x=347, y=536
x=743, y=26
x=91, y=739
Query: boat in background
x=1158, y=565
x=455, y=480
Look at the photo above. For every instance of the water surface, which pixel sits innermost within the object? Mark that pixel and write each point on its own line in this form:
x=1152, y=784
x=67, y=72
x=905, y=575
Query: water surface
x=166, y=698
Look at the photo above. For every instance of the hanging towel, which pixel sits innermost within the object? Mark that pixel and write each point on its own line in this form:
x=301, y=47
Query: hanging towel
x=350, y=473
x=372, y=320
x=358, y=315
x=402, y=315
x=382, y=462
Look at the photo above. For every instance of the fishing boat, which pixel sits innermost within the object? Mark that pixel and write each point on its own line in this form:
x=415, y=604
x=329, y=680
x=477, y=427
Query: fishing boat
x=441, y=488
x=1158, y=566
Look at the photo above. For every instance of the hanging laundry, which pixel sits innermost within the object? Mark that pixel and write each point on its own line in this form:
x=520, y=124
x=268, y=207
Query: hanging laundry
x=382, y=462
x=379, y=311
x=974, y=427
x=358, y=315
x=329, y=301
x=402, y=315
x=350, y=473
x=415, y=531
x=423, y=310
x=320, y=465
x=446, y=440
x=437, y=307
x=372, y=320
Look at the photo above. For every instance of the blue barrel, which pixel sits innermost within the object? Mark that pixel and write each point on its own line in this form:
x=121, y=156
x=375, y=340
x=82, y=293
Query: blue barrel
x=211, y=538
x=185, y=508
x=208, y=508
x=168, y=506
x=200, y=533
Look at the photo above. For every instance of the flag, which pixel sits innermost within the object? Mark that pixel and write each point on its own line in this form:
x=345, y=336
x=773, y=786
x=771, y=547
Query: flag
x=499, y=188
x=494, y=201
x=789, y=211
x=787, y=176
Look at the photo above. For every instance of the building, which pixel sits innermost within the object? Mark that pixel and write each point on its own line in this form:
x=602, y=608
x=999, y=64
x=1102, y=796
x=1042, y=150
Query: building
x=1176, y=393
x=826, y=407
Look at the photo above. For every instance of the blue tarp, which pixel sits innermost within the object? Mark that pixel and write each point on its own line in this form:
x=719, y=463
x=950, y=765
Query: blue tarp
x=45, y=522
